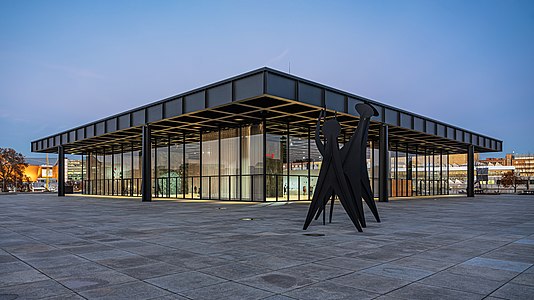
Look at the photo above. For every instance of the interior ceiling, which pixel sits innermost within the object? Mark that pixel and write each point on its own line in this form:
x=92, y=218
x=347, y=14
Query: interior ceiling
x=277, y=112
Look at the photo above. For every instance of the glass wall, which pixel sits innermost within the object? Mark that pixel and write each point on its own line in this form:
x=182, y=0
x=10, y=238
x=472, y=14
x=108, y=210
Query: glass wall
x=192, y=169
x=252, y=162
x=210, y=165
x=99, y=165
x=136, y=178
x=373, y=166
x=298, y=167
x=117, y=173
x=229, y=164
x=127, y=173
x=161, y=168
x=315, y=164
x=277, y=167
x=230, y=183
x=176, y=175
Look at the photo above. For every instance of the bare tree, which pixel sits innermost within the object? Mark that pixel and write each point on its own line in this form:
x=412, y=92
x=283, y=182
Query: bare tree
x=510, y=179
x=12, y=165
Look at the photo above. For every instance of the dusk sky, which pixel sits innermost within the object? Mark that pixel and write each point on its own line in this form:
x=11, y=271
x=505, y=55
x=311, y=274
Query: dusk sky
x=467, y=63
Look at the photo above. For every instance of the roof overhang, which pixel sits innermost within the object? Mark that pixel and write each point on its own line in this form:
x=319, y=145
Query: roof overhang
x=278, y=98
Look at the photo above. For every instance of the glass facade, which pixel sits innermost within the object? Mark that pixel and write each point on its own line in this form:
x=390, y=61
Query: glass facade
x=230, y=163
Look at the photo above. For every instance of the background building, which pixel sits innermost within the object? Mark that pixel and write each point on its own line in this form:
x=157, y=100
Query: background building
x=42, y=175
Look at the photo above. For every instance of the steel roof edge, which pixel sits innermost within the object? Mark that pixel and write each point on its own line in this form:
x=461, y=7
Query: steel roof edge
x=183, y=94
x=254, y=72
x=373, y=101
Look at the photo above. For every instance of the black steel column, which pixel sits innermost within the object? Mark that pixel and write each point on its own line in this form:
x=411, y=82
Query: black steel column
x=240, y=163
x=156, y=183
x=132, y=168
x=417, y=191
x=219, y=171
x=89, y=188
x=406, y=176
x=440, y=172
x=122, y=170
x=169, y=166
x=61, y=172
x=96, y=174
x=383, y=164
x=146, y=172
x=471, y=171
x=83, y=184
x=287, y=161
x=396, y=169
x=426, y=179
x=184, y=177
x=104, y=182
x=448, y=173
x=264, y=151
x=309, y=164
x=373, y=158
x=112, y=171
x=200, y=188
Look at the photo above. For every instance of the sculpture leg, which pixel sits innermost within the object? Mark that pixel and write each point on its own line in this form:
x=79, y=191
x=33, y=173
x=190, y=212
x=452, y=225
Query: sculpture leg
x=370, y=201
x=332, y=207
x=321, y=207
x=357, y=196
x=316, y=200
x=324, y=212
x=352, y=216
x=319, y=195
x=318, y=214
x=344, y=193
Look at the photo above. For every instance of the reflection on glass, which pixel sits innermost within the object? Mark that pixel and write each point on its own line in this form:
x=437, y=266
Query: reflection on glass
x=229, y=165
x=176, y=171
x=252, y=162
x=210, y=165
x=192, y=169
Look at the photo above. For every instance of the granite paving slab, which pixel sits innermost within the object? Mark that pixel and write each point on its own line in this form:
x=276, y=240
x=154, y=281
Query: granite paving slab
x=235, y=270
x=184, y=281
x=227, y=290
x=482, y=272
x=498, y=264
x=20, y=277
x=36, y=290
x=390, y=270
x=94, y=280
x=371, y=282
x=349, y=263
x=329, y=290
x=116, y=248
x=130, y=290
x=276, y=282
x=315, y=271
x=514, y=291
x=472, y=284
x=524, y=278
x=417, y=291
x=157, y=269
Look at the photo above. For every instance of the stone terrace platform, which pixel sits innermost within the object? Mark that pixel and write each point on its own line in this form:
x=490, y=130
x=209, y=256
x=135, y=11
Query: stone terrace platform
x=105, y=248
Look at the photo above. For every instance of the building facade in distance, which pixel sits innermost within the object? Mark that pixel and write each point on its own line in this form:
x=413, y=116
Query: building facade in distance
x=250, y=138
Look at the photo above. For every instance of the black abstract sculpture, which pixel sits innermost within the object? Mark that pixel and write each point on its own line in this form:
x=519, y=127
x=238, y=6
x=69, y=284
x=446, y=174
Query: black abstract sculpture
x=343, y=171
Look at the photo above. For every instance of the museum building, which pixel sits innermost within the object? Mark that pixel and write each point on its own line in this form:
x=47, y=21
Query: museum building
x=251, y=138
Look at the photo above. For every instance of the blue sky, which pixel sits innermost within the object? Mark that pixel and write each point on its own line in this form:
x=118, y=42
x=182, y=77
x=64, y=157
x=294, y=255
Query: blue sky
x=467, y=63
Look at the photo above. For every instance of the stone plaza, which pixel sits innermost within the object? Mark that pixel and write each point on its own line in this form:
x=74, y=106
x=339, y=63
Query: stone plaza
x=79, y=247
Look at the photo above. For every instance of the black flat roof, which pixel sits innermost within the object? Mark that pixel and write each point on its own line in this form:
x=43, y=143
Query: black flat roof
x=278, y=97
